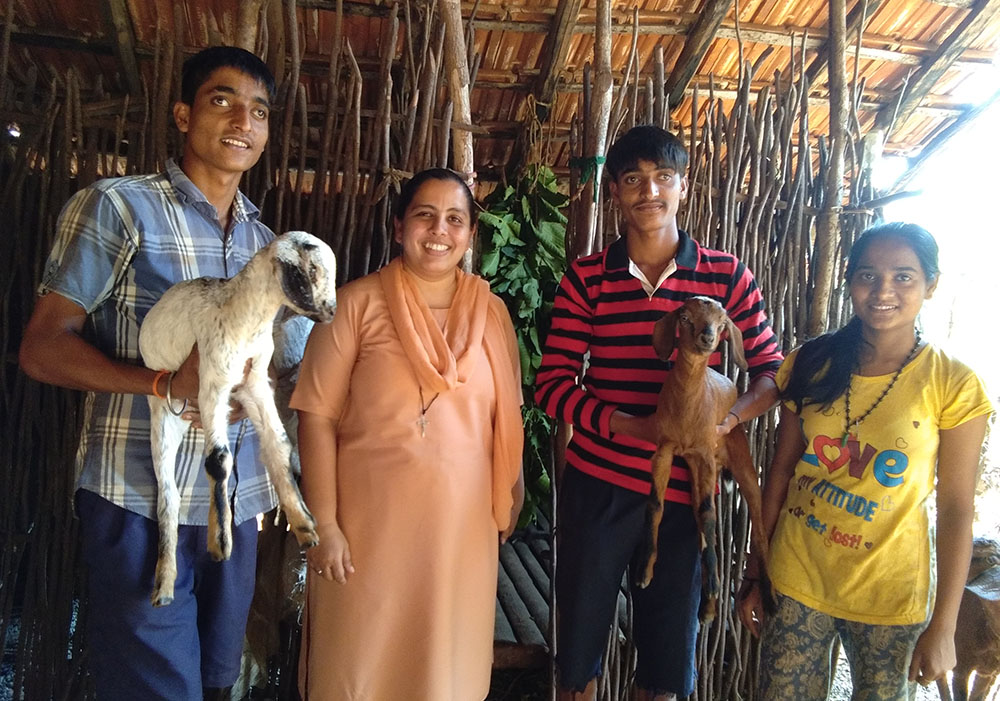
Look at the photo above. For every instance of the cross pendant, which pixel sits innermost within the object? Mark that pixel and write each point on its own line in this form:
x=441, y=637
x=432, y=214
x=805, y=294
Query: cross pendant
x=422, y=422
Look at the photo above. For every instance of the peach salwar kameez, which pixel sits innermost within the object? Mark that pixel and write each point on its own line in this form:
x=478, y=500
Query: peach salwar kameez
x=415, y=500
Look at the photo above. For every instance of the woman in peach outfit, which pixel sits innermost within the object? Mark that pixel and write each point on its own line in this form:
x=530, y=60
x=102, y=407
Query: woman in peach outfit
x=410, y=439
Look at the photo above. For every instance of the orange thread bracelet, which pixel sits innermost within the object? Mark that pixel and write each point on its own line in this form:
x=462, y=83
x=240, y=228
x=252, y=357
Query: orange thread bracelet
x=156, y=381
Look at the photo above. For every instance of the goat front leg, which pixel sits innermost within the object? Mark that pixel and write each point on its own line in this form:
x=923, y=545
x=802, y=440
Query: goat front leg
x=740, y=464
x=257, y=399
x=704, y=475
x=166, y=433
x=663, y=459
x=213, y=402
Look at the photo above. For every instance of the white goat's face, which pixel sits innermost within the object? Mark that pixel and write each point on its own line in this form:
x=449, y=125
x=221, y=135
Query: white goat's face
x=307, y=270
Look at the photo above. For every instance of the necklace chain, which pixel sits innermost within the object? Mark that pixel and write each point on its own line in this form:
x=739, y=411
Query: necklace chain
x=422, y=421
x=847, y=395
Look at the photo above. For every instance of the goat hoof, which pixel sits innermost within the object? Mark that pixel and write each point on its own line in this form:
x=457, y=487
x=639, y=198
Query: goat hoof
x=220, y=551
x=307, y=537
x=161, y=599
x=643, y=580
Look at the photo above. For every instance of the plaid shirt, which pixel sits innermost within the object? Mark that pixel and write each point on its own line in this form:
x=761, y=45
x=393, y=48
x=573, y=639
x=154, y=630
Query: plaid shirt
x=120, y=244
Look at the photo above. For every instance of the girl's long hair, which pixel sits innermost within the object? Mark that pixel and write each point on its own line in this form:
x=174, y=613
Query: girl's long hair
x=823, y=366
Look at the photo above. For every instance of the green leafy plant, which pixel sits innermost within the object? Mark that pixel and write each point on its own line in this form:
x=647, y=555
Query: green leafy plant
x=523, y=235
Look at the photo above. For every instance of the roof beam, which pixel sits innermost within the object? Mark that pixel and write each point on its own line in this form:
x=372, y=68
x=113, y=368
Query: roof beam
x=668, y=23
x=66, y=41
x=752, y=33
x=961, y=4
x=917, y=88
x=554, y=52
x=119, y=21
x=696, y=45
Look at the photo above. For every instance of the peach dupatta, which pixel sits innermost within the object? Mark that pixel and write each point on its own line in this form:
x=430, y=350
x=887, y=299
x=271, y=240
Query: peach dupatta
x=444, y=360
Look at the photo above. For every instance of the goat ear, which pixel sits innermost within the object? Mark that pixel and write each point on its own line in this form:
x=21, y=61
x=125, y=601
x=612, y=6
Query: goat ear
x=736, y=343
x=664, y=333
x=987, y=584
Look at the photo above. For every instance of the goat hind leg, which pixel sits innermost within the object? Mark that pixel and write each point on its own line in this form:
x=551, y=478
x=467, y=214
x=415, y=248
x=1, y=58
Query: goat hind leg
x=662, y=460
x=214, y=405
x=276, y=450
x=740, y=464
x=166, y=432
x=704, y=475
x=981, y=686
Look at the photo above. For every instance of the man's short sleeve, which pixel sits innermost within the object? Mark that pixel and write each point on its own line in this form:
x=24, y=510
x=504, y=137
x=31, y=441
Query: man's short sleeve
x=92, y=250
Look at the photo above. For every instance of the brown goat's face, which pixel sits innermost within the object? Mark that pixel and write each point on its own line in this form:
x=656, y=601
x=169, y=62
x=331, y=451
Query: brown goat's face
x=700, y=324
x=697, y=327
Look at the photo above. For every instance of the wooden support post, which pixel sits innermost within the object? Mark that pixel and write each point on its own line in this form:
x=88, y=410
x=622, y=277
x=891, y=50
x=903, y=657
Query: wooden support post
x=596, y=133
x=828, y=222
x=457, y=71
x=119, y=21
x=248, y=24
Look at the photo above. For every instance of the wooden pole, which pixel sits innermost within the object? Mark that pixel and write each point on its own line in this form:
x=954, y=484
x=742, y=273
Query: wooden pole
x=828, y=223
x=596, y=132
x=248, y=23
x=457, y=70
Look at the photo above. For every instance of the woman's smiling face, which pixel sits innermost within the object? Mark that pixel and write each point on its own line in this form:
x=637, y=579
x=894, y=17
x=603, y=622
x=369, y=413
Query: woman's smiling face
x=889, y=286
x=436, y=229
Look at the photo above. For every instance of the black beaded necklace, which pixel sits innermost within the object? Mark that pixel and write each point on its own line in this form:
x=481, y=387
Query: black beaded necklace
x=847, y=395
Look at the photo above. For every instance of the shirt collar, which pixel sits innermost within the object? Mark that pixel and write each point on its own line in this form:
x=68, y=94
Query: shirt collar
x=243, y=209
x=648, y=286
x=686, y=256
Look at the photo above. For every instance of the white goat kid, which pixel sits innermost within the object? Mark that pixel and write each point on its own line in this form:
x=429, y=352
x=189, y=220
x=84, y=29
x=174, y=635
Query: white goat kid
x=231, y=321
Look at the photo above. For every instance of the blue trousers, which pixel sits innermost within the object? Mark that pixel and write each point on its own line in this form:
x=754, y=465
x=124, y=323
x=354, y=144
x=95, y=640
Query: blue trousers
x=137, y=651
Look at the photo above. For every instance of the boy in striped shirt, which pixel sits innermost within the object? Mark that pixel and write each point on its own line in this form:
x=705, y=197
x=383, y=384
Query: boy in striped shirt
x=605, y=310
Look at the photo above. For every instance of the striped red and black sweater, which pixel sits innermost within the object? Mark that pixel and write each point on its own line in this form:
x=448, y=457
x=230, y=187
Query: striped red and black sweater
x=602, y=308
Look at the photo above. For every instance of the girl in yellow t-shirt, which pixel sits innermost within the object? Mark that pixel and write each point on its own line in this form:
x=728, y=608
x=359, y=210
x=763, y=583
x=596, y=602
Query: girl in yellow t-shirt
x=874, y=422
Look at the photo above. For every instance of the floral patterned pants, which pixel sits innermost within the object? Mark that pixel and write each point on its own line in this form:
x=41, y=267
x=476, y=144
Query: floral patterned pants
x=796, y=656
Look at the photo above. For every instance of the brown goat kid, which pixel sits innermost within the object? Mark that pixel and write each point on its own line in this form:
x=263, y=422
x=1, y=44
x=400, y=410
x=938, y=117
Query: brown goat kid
x=977, y=632
x=694, y=400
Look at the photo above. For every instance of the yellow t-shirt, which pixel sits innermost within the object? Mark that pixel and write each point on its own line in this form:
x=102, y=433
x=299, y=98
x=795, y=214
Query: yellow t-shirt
x=853, y=537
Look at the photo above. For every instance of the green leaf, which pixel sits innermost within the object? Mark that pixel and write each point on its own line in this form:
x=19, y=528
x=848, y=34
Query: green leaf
x=552, y=235
x=553, y=212
x=525, y=357
x=526, y=208
x=489, y=262
x=532, y=297
x=535, y=342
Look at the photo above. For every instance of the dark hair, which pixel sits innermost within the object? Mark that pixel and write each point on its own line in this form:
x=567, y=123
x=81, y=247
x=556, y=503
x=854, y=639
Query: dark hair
x=411, y=186
x=197, y=68
x=646, y=143
x=823, y=366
